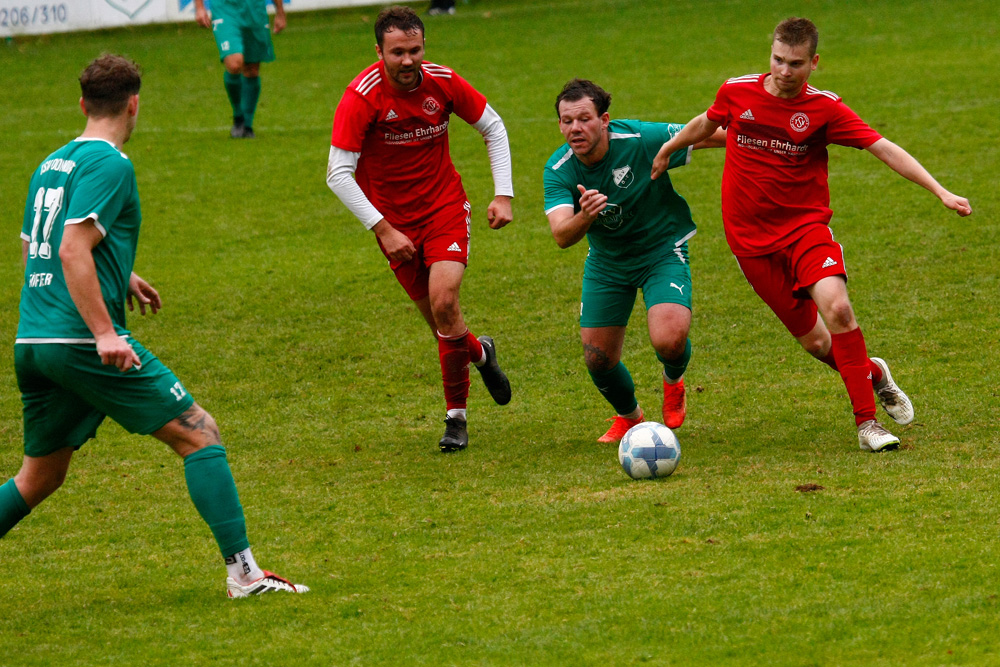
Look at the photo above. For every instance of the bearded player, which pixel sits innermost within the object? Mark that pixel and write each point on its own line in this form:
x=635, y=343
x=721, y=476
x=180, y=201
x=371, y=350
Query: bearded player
x=390, y=165
x=776, y=211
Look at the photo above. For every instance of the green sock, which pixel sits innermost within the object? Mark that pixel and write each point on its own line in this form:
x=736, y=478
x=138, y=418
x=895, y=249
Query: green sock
x=12, y=507
x=617, y=387
x=213, y=490
x=674, y=368
x=251, y=93
x=234, y=89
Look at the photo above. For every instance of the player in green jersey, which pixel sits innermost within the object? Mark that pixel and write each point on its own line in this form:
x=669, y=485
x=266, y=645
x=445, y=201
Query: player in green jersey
x=243, y=36
x=74, y=357
x=597, y=185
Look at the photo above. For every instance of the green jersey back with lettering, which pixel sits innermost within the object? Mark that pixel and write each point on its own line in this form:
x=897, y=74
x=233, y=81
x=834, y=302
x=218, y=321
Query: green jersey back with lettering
x=643, y=218
x=86, y=178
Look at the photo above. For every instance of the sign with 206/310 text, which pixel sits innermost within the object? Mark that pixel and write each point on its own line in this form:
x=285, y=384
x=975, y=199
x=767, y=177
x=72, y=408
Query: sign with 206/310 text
x=37, y=17
x=42, y=17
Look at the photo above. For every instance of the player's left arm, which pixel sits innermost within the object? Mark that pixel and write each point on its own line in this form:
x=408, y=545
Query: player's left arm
x=907, y=166
x=490, y=125
x=279, y=16
x=24, y=253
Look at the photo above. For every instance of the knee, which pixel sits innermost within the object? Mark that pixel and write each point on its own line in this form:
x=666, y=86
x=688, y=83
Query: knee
x=817, y=347
x=839, y=315
x=40, y=485
x=670, y=347
x=233, y=63
x=444, y=307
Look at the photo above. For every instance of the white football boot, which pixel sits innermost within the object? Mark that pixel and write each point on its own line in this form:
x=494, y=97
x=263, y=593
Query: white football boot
x=269, y=583
x=872, y=437
x=896, y=404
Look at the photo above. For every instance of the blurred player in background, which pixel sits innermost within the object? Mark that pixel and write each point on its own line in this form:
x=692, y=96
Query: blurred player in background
x=597, y=185
x=776, y=211
x=74, y=358
x=243, y=36
x=390, y=133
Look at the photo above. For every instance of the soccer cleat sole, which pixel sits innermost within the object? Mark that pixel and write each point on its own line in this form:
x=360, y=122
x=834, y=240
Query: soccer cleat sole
x=493, y=377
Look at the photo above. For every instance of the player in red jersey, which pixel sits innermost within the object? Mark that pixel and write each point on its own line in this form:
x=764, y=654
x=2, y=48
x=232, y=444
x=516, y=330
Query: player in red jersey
x=776, y=211
x=390, y=132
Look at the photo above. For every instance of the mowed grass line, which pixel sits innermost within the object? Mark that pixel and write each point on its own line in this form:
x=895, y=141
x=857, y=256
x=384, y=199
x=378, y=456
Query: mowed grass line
x=531, y=547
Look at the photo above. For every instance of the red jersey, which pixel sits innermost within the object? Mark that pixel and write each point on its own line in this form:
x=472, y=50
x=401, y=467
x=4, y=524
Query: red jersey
x=775, y=179
x=405, y=168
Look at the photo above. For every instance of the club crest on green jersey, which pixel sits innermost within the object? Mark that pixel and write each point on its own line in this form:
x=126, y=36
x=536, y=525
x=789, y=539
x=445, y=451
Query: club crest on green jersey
x=623, y=176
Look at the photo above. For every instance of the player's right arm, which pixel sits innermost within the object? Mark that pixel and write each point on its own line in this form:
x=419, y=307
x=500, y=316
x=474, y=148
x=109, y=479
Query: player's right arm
x=569, y=227
x=80, y=272
x=351, y=123
x=700, y=129
x=340, y=178
x=201, y=15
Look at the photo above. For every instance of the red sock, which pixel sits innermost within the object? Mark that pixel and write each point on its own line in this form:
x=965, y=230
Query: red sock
x=475, y=348
x=875, y=369
x=855, y=370
x=454, y=355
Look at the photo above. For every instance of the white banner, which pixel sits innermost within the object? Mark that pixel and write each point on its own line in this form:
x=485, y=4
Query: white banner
x=42, y=17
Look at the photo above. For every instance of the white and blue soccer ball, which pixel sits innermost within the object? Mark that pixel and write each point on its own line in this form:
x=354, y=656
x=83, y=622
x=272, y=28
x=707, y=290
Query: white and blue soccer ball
x=649, y=450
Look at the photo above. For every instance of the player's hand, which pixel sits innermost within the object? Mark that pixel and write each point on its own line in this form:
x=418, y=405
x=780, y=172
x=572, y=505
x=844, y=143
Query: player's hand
x=396, y=244
x=144, y=293
x=958, y=204
x=499, y=212
x=202, y=17
x=115, y=351
x=279, y=22
x=661, y=161
x=592, y=202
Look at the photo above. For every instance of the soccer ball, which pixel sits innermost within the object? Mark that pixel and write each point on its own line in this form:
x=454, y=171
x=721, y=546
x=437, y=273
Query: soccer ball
x=649, y=450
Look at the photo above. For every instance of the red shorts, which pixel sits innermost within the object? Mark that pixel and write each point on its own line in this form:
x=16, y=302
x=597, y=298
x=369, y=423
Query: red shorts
x=781, y=278
x=443, y=238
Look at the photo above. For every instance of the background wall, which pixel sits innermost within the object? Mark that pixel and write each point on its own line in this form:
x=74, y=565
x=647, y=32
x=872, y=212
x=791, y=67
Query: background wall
x=42, y=17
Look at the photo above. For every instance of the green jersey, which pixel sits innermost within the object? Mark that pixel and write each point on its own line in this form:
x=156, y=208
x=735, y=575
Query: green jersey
x=643, y=218
x=86, y=178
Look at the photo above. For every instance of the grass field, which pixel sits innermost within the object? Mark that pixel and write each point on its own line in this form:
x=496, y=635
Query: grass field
x=531, y=547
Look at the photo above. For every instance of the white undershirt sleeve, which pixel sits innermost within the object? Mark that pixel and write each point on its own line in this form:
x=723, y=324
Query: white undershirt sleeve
x=340, y=177
x=491, y=126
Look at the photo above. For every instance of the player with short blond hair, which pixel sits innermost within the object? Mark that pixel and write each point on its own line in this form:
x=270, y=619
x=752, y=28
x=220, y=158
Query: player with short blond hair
x=776, y=211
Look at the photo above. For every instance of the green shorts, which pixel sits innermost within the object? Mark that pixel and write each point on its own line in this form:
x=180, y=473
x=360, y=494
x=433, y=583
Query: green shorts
x=67, y=391
x=609, y=291
x=240, y=34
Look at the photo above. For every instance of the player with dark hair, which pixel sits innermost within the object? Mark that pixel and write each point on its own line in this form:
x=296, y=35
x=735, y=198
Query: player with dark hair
x=597, y=185
x=776, y=211
x=390, y=165
x=75, y=360
x=243, y=36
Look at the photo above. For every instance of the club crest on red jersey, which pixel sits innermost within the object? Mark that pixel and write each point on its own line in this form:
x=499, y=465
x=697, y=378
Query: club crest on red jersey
x=431, y=106
x=799, y=122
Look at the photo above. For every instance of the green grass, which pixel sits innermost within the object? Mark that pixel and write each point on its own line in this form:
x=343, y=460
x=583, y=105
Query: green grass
x=531, y=547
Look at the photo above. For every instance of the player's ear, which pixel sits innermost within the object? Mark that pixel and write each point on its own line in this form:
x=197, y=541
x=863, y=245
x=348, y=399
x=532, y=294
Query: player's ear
x=378, y=51
x=133, y=105
x=815, y=61
x=83, y=107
